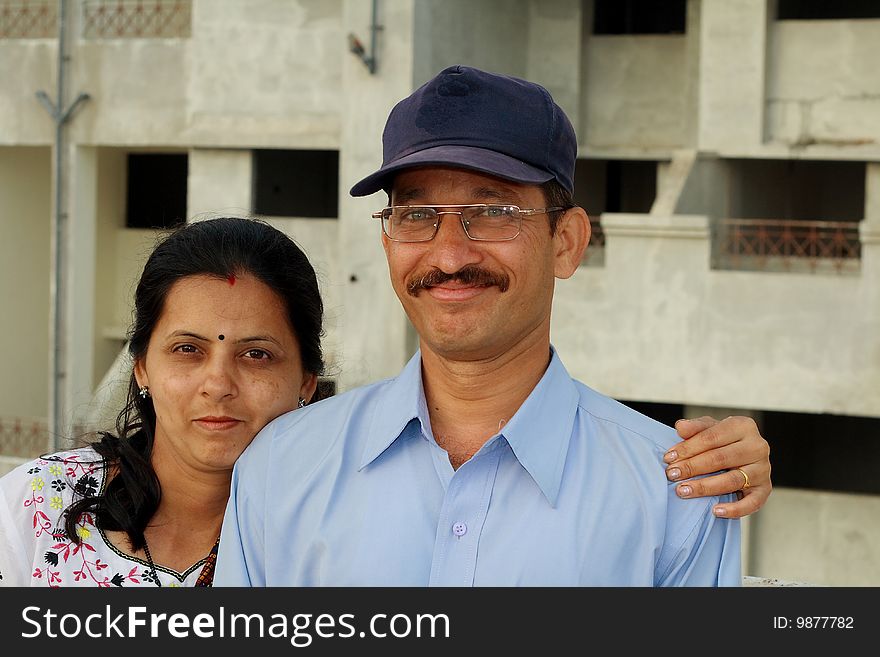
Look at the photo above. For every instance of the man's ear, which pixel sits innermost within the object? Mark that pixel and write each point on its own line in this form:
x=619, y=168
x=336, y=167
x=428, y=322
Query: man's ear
x=571, y=239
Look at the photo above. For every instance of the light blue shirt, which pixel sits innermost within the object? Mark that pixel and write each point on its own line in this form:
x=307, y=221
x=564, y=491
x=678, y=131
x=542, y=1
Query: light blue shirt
x=355, y=491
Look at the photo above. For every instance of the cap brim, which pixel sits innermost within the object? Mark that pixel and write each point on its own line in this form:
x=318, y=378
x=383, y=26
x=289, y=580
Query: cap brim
x=485, y=161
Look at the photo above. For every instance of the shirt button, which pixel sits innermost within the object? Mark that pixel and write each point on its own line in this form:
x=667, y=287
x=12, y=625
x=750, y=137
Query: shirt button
x=459, y=529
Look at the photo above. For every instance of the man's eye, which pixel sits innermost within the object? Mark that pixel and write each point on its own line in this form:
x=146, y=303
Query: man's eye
x=415, y=215
x=494, y=212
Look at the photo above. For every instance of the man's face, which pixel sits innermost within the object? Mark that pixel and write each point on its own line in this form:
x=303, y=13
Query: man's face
x=502, y=298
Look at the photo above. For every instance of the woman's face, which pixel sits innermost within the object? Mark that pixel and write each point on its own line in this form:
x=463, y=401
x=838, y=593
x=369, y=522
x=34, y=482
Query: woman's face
x=222, y=362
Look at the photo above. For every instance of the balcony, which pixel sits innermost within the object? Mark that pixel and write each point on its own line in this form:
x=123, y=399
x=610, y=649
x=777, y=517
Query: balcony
x=780, y=245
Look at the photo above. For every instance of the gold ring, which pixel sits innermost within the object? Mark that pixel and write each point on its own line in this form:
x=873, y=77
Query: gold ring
x=746, y=483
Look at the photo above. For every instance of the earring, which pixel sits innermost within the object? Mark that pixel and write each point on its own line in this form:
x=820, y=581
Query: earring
x=302, y=402
x=144, y=392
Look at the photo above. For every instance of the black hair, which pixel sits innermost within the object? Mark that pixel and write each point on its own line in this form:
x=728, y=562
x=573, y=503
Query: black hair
x=556, y=196
x=221, y=247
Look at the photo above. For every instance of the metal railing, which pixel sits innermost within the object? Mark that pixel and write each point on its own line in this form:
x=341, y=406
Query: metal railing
x=136, y=19
x=29, y=19
x=594, y=256
x=787, y=245
x=23, y=437
x=597, y=235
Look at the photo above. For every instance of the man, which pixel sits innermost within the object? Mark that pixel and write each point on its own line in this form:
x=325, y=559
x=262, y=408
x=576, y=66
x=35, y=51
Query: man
x=483, y=462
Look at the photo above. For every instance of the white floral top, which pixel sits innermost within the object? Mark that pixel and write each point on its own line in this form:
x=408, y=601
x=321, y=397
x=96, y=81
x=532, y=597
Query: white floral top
x=34, y=551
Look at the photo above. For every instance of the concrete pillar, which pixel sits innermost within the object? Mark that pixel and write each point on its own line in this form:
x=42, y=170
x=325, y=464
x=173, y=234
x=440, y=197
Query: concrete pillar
x=872, y=193
x=692, y=61
x=489, y=34
x=219, y=183
x=371, y=323
x=79, y=338
x=869, y=235
x=554, y=51
x=719, y=413
x=733, y=44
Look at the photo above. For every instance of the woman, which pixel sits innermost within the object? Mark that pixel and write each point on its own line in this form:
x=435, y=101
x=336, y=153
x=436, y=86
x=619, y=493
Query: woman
x=226, y=337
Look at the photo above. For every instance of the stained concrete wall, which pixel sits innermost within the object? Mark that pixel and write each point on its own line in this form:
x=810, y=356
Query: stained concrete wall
x=823, y=83
x=635, y=92
x=26, y=66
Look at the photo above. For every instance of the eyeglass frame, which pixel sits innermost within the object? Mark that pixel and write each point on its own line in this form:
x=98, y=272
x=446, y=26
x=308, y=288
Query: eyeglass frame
x=520, y=213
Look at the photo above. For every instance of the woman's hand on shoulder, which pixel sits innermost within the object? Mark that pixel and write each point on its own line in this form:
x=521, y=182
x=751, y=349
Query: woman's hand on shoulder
x=735, y=450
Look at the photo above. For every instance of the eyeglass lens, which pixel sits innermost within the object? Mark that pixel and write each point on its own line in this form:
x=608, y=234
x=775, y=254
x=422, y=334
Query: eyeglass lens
x=481, y=222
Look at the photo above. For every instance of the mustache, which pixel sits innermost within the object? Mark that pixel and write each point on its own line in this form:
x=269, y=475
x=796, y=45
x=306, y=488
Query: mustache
x=469, y=275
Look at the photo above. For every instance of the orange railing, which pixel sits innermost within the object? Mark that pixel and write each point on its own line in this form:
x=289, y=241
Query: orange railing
x=23, y=437
x=597, y=236
x=29, y=19
x=787, y=245
x=594, y=256
x=126, y=19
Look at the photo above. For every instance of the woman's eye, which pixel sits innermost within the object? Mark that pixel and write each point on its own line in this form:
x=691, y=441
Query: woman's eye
x=185, y=349
x=257, y=354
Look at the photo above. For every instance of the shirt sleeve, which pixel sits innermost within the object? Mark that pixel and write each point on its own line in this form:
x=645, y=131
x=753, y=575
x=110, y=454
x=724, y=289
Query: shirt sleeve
x=241, y=557
x=709, y=554
x=15, y=558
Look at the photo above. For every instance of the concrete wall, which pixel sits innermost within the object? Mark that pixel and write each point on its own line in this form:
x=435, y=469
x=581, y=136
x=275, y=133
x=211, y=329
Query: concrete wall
x=252, y=74
x=824, y=95
x=25, y=219
x=824, y=539
x=635, y=92
x=26, y=66
x=264, y=74
x=656, y=324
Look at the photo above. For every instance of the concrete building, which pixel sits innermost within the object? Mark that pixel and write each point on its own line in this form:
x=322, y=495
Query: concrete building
x=729, y=156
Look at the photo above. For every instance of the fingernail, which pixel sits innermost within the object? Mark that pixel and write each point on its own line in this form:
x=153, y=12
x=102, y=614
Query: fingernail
x=720, y=511
x=684, y=491
x=673, y=473
x=669, y=457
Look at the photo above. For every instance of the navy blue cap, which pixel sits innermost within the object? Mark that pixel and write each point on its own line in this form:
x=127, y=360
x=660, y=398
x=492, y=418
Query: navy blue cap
x=471, y=119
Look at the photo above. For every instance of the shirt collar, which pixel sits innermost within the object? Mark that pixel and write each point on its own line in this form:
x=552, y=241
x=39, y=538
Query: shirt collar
x=538, y=433
x=401, y=402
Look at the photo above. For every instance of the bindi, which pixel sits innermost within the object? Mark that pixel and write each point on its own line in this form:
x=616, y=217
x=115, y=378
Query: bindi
x=221, y=337
x=231, y=279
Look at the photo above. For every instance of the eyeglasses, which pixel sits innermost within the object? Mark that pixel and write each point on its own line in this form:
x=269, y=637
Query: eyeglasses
x=484, y=223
